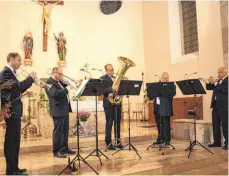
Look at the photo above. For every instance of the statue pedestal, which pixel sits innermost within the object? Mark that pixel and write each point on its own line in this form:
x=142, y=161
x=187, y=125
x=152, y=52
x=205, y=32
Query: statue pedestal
x=62, y=63
x=28, y=62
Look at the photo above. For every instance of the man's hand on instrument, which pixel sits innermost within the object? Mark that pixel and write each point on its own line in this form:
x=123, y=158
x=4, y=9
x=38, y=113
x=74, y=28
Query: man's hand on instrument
x=7, y=85
x=115, y=89
x=212, y=80
x=33, y=75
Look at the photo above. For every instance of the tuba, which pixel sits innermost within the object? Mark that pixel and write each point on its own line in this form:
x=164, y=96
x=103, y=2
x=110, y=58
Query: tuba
x=125, y=64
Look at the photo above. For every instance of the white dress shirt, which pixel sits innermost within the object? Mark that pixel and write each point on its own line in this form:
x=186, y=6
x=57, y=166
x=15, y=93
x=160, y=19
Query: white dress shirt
x=112, y=77
x=158, y=101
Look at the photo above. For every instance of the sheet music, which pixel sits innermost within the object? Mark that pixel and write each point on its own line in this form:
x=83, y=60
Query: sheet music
x=81, y=88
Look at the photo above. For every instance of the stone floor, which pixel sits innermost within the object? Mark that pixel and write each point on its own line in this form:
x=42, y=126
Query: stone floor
x=138, y=129
x=152, y=162
x=37, y=157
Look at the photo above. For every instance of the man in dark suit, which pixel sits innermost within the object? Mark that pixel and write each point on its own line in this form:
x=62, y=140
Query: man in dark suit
x=112, y=112
x=163, y=110
x=13, y=124
x=59, y=106
x=219, y=104
x=5, y=85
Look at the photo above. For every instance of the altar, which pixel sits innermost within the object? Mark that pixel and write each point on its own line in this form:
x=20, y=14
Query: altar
x=46, y=122
x=87, y=105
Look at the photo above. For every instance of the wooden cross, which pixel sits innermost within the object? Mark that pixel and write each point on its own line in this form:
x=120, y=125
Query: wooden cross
x=46, y=15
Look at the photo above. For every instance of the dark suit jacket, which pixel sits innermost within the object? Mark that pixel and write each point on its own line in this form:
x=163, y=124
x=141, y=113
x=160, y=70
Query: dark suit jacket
x=106, y=102
x=58, y=99
x=8, y=95
x=220, y=92
x=166, y=104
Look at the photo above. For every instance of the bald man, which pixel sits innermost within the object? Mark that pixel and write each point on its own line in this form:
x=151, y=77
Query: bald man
x=219, y=105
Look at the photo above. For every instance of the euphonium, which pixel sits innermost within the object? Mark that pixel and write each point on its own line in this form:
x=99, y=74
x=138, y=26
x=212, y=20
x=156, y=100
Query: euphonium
x=37, y=81
x=125, y=64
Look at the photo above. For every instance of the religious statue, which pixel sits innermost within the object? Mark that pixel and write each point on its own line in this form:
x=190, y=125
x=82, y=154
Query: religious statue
x=61, y=49
x=28, y=47
x=47, y=8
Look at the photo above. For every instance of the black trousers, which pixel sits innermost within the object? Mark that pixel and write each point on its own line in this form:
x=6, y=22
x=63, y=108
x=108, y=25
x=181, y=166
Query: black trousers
x=12, y=144
x=111, y=113
x=164, y=130
x=219, y=118
x=60, y=134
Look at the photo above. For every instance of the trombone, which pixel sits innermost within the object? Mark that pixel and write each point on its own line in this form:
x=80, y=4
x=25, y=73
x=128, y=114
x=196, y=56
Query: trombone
x=37, y=81
x=76, y=82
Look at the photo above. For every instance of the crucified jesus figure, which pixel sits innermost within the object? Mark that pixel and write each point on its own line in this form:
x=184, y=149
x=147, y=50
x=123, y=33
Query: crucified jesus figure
x=47, y=8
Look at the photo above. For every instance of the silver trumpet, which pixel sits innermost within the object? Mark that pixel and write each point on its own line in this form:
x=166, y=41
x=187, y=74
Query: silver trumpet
x=37, y=81
x=76, y=82
x=210, y=80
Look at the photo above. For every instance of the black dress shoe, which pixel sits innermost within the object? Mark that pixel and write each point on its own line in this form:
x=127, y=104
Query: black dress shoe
x=120, y=146
x=19, y=173
x=158, y=142
x=60, y=155
x=69, y=152
x=225, y=147
x=214, y=145
x=167, y=143
x=22, y=170
x=110, y=147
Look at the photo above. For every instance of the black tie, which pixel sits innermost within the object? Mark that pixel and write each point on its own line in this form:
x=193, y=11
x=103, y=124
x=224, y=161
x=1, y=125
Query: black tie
x=15, y=72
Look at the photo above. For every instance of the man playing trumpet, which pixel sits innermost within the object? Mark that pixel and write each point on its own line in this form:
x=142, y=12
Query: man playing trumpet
x=163, y=110
x=60, y=107
x=219, y=105
x=13, y=124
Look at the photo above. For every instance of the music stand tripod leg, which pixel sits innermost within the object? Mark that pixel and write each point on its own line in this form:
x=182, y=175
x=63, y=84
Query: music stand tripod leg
x=195, y=142
x=97, y=151
x=204, y=147
x=78, y=157
x=161, y=136
x=129, y=142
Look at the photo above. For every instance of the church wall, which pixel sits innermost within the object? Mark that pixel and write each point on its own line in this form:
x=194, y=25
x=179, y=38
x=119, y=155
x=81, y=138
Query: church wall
x=92, y=37
x=139, y=30
x=224, y=25
x=157, y=45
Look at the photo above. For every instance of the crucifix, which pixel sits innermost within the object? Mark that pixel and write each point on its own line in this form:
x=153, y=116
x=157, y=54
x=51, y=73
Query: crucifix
x=46, y=15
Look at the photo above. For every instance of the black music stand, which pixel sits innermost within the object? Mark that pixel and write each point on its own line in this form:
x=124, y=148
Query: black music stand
x=78, y=157
x=192, y=87
x=144, y=103
x=159, y=89
x=129, y=87
x=96, y=87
